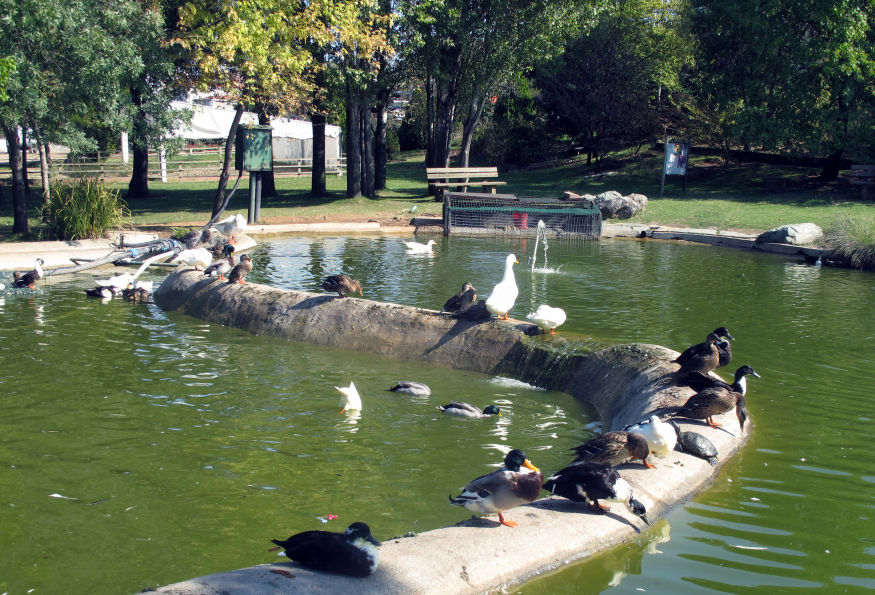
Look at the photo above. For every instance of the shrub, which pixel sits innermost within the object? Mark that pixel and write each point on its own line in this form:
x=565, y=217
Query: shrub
x=82, y=209
x=393, y=147
x=853, y=242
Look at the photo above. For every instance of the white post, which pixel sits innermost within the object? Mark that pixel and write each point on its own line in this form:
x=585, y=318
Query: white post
x=125, y=150
x=163, y=153
x=664, y=163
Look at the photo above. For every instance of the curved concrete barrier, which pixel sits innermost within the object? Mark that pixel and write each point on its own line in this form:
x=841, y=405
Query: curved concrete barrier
x=476, y=555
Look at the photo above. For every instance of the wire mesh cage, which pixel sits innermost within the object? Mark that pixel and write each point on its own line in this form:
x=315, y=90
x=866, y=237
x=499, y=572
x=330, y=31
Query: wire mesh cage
x=474, y=213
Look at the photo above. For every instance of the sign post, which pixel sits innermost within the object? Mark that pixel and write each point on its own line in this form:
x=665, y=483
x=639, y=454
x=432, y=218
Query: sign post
x=674, y=162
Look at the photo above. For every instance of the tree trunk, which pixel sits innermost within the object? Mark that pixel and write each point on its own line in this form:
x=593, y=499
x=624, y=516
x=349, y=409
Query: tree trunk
x=367, y=150
x=43, y=163
x=138, y=187
x=381, y=152
x=24, y=175
x=226, y=165
x=353, y=144
x=268, y=184
x=429, y=127
x=831, y=168
x=19, y=202
x=475, y=110
x=444, y=120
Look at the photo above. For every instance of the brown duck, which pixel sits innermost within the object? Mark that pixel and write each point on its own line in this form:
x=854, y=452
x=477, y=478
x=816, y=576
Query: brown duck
x=613, y=448
x=239, y=272
x=702, y=357
x=342, y=284
x=461, y=300
x=716, y=397
x=722, y=345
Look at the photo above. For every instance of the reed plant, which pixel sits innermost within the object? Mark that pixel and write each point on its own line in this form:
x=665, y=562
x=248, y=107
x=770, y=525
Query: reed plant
x=852, y=241
x=83, y=209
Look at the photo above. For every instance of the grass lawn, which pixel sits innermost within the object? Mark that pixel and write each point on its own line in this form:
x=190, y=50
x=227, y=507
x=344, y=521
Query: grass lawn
x=732, y=197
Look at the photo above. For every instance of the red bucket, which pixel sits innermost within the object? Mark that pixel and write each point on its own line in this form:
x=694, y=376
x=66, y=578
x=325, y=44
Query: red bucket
x=521, y=220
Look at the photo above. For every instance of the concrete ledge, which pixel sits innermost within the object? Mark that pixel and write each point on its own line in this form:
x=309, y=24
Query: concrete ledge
x=21, y=255
x=472, y=556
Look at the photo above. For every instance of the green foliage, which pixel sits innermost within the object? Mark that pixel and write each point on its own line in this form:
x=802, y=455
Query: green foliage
x=7, y=67
x=83, y=209
x=852, y=240
x=393, y=147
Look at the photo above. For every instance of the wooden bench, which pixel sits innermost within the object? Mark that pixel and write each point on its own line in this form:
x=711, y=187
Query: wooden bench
x=863, y=175
x=460, y=178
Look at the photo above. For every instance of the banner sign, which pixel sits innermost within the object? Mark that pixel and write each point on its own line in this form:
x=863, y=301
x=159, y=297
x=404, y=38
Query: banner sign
x=676, y=155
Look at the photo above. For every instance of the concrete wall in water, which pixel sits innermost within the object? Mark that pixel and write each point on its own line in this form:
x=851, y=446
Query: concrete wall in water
x=473, y=556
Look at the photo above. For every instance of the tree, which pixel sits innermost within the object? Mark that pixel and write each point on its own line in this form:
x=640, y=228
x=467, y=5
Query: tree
x=606, y=87
x=788, y=75
x=70, y=56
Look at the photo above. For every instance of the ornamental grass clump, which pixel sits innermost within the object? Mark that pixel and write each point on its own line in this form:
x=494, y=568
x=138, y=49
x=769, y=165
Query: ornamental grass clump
x=83, y=209
x=852, y=241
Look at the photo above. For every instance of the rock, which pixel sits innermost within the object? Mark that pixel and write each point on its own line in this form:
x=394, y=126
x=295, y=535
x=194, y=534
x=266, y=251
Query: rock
x=797, y=234
x=615, y=206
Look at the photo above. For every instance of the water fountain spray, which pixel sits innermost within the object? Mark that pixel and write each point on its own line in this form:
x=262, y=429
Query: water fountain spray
x=542, y=231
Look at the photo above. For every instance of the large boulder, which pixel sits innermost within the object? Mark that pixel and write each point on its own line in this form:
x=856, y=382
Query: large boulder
x=613, y=205
x=797, y=234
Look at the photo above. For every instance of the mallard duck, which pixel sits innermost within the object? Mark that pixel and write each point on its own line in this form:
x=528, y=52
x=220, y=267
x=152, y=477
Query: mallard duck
x=613, y=448
x=197, y=237
x=461, y=300
x=239, y=272
x=503, y=489
x=350, y=401
x=342, y=284
x=504, y=294
x=223, y=265
x=695, y=444
x=476, y=311
x=135, y=294
x=466, y=410
x=228, y=227
x=353, y=552
x=31, y=277
x=723, y=346
x=419, y=248
x=547, y=318
x=411, y=388
x=716, y=397
x=198, y=258
x=100, y=292
x=702, y=357
x=661, y=437
x=591, y=482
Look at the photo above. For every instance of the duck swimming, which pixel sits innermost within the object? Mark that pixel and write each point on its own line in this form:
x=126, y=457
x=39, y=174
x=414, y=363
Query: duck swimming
x=715, y=397
x=466, y=410
x=613, y=448
x=591, y=482
x=419, y=248
x=353, y=552
x=99, y=292
x=342, y=284
x=350, y=401
x=505, y=293
x=461, y=300
x=28, y=279
x=411, y=388
x=518, y=482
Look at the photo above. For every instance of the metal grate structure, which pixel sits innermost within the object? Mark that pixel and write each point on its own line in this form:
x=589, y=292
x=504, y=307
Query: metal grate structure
x=474, y=213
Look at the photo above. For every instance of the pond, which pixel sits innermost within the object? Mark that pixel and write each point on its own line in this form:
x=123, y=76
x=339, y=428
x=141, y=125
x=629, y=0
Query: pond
x=139, y=447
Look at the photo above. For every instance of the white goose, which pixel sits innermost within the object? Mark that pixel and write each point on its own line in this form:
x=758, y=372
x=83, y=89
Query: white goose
x=547, y=318
x=350, y=401
x=419, y=248
x=228, y=227
x=199, y=258
x=504, y=294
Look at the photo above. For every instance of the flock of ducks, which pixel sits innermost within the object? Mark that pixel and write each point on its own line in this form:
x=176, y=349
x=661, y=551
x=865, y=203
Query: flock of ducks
x=590, y=478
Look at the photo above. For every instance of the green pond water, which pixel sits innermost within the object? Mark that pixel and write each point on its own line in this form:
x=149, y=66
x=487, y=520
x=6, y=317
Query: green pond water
x=140, y=448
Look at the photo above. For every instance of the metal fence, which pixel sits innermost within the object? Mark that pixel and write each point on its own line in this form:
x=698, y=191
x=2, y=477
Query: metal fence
x=474, y=213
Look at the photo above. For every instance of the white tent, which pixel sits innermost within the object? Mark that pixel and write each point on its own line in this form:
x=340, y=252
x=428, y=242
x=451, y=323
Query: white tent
x=213, y=123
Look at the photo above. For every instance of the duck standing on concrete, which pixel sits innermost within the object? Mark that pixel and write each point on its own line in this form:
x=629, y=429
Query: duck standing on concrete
x=661, y=437
x=591, y=482
x=505, y=293
x=476, y=311
x=197, y=237
x=518, y=482
x=723, y=346
x=702, y=357
x=353, y=552
x=613, y=448
x=342, y=284
x=716, y=397
x=28, y=279
x=461, y=409
x=223, y=265
x=547, y=317
x=228, y=227
x=461, y=300
x=239, y=272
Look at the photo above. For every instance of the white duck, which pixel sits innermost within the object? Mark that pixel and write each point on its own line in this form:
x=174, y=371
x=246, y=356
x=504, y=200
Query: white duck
x=199, y=258
x=547, y=317
x=504, y=294
x=228, y=227
x=351, y=401
x=661, y=436
x=120, y=281
x=419, y=248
